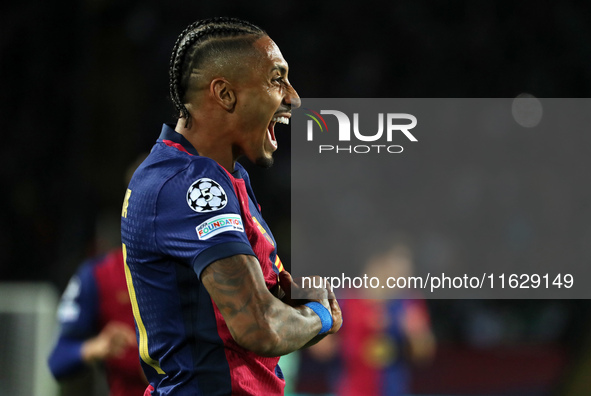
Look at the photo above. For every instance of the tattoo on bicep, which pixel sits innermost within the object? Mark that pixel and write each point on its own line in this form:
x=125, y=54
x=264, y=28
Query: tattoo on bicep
x=226, y=282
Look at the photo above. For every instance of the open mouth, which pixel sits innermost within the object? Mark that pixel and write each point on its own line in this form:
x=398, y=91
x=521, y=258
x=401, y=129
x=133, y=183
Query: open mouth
x=271, y=129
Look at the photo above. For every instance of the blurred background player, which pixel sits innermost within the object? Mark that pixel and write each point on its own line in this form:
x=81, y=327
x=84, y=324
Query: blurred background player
x=388, y=331
x=97, y=326
x=96, y=321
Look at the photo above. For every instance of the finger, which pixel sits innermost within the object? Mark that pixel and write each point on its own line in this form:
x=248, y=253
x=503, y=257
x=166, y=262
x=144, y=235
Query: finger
x=295, y=283
x=317, y=294
x=285, y=282
x=327, y=285
x=335, y=308
x=331, y=295
x=337, y=316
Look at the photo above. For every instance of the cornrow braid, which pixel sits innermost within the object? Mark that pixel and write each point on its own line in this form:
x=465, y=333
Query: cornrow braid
x=190, y=50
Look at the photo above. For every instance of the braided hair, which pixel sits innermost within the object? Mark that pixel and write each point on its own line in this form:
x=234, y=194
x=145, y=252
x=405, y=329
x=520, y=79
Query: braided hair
x=200, y=42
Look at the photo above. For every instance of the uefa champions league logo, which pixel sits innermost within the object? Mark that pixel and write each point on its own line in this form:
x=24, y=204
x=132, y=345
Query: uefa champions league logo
x=206, y=195
x=344, y=133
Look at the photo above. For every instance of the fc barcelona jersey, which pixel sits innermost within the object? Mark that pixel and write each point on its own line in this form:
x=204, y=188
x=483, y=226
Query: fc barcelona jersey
x=181, y=213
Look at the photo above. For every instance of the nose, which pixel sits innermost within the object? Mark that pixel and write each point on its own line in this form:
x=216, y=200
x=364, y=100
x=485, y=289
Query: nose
x=292, y=98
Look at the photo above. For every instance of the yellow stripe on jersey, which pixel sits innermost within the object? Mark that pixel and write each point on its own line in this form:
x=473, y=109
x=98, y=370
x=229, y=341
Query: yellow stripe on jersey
x=125, y=203
x=143, y=346
x=279, y=264
x=263, y=231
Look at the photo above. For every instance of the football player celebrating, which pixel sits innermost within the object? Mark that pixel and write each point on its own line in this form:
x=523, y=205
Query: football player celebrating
x=201, y=261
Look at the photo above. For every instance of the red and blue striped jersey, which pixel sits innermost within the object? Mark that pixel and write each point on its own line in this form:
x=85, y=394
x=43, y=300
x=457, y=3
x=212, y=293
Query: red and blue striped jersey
x=181, y=213
x=376, y=359
x=96, y=295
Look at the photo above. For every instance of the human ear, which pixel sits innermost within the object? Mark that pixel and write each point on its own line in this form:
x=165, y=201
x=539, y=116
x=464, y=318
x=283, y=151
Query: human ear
x=223, y=93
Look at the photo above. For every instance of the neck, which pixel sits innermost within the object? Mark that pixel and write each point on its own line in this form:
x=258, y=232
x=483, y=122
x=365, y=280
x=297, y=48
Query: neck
x=210, y=139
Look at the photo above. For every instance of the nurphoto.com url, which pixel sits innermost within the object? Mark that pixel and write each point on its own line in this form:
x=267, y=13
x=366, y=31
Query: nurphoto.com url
x=432, y=283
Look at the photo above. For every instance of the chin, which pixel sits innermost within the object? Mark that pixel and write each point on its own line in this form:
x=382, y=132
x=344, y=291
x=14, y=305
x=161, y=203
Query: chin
x=264, y=162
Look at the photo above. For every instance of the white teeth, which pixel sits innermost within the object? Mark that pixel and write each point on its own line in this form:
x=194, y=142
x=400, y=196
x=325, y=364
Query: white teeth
x=281, y=120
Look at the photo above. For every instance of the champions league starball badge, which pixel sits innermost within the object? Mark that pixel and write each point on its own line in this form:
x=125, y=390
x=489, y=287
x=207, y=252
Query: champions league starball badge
x=206, y=195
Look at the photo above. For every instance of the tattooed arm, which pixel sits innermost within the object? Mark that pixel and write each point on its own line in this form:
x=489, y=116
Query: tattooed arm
x=257, y=320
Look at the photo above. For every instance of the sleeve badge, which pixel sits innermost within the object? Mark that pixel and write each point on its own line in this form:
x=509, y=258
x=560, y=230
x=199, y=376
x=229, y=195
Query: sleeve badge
x=206, y=195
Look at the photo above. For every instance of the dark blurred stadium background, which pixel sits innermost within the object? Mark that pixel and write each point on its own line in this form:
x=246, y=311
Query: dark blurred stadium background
x=83, y=92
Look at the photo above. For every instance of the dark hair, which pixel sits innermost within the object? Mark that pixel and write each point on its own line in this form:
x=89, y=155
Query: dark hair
x=198, y=43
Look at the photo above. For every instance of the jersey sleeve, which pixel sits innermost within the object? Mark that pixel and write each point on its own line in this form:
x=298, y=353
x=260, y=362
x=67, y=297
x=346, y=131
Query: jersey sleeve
x=77, y=313
x=198, y=219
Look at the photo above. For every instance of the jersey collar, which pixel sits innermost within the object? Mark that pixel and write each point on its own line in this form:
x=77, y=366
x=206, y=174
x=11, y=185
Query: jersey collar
x=168, y=133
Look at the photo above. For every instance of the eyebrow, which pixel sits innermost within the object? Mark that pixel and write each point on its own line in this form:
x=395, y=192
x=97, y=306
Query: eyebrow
x=282, y=69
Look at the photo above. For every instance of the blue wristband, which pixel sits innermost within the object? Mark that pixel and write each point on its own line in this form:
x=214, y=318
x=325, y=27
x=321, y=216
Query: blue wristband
x=323, y=314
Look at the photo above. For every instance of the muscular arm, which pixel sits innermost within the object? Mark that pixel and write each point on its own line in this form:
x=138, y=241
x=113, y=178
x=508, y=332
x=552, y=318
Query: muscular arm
x=257, y=320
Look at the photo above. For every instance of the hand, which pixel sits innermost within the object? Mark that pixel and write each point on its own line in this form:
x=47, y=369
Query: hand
x=337, y=317
x=287, y=285
x=284, y=289
x=324, y=296
x=335, y=309
x=111, y=342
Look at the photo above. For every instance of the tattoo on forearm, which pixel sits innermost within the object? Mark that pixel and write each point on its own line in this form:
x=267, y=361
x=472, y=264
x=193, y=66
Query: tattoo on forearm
x=241, y=295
